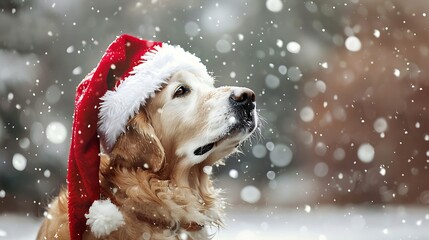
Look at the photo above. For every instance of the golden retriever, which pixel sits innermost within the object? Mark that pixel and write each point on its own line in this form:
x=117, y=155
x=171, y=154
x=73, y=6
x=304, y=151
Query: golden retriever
x=157, y=172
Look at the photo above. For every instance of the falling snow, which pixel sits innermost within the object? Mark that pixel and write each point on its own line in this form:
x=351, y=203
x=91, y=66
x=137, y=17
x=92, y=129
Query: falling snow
x=281, y=155
x=366, y=153
x=223, y=46
x=396, y=72
x=259, y=151
x=274, y=5
x=279, y=43
x=380, y=125
x=19, y=162
x=192, y=29
x=306, y=114
x=47, y=173
x=353, y=44
x=250, y=194
x=272, y=81
x=56, y=132
x=382, y=171
x=293, y=47
x=376, y=33
x=282, y=69
x=233, y=173
x=77, y=70
x=70, y=49
x=340, y=88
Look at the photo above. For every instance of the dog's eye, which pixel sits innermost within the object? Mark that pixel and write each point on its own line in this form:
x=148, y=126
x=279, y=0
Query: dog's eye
x=181, y=91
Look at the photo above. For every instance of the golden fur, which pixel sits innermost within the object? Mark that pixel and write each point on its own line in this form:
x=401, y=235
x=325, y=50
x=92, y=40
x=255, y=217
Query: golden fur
x=161, y=190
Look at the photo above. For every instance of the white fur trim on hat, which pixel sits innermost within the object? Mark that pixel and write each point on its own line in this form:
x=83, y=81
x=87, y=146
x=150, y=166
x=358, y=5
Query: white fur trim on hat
x=103, y=218
x=119, y=105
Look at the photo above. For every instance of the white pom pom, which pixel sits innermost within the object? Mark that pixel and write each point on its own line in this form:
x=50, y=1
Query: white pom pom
x=103, y=218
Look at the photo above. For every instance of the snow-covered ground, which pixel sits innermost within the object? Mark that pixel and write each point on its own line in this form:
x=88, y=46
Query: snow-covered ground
x=18, y=227
x=323, y=223
x=328, y=223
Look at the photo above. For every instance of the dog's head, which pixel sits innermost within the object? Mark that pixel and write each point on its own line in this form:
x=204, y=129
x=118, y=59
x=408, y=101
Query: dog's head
x=188, y=122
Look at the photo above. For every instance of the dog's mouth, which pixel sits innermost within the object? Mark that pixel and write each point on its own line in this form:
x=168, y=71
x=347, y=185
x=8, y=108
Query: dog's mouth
x=246, y=126
x=204, y=149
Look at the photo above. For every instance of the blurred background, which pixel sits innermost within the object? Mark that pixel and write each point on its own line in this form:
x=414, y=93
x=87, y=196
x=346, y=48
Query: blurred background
x=342, y=86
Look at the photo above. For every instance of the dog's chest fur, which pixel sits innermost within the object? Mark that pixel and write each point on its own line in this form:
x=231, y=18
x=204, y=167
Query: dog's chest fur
x=160, y=209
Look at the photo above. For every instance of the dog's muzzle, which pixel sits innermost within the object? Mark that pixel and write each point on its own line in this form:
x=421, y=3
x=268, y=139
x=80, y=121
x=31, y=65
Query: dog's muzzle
x=242, y=102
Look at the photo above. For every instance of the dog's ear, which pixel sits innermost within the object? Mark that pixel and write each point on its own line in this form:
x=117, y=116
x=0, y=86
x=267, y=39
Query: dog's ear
x=138, y=146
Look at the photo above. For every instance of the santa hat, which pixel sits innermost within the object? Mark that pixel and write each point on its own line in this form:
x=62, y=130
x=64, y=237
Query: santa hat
x=129, y=73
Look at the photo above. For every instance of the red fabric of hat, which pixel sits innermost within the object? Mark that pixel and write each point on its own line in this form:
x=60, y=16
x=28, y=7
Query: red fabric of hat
x=84, y=160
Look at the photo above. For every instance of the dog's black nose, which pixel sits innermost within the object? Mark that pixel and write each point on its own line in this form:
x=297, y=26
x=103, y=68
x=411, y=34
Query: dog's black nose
x=243, y=98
